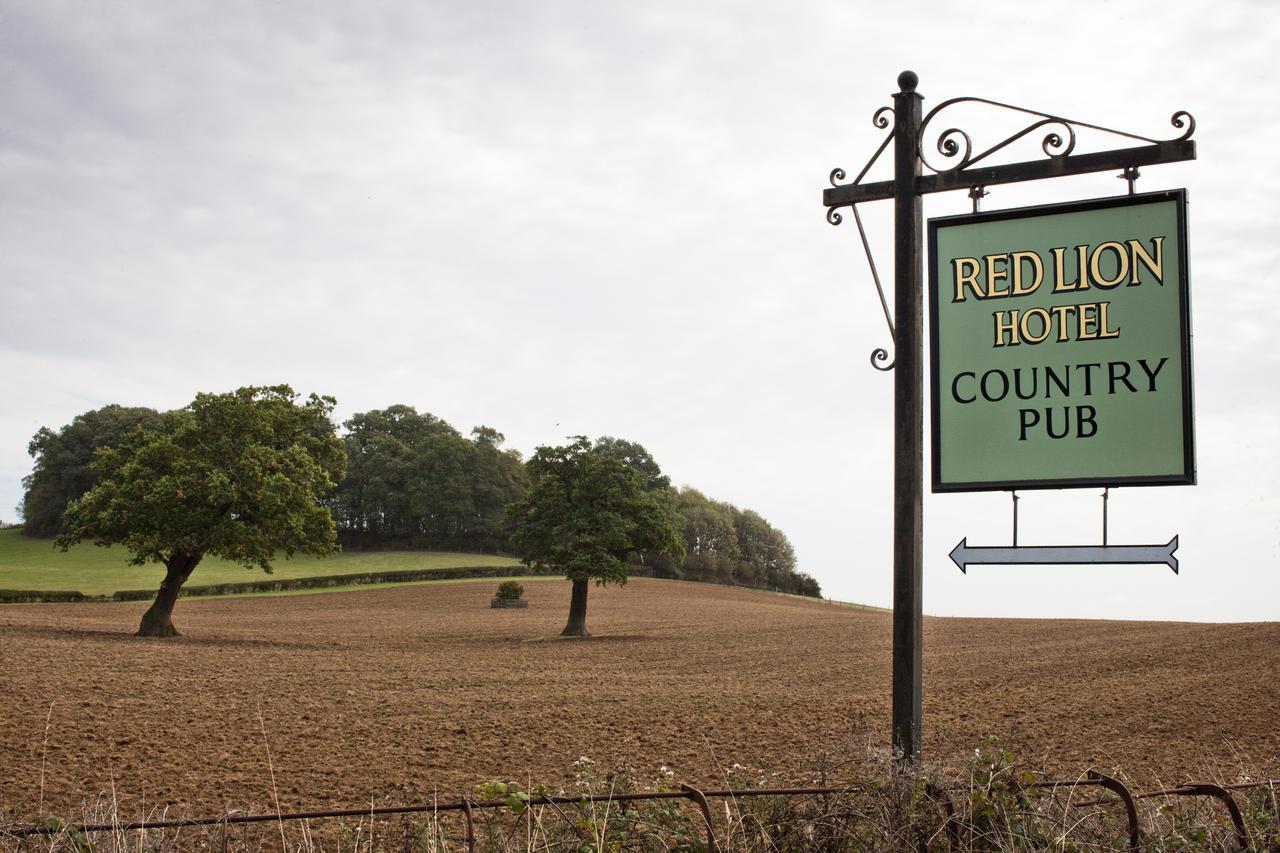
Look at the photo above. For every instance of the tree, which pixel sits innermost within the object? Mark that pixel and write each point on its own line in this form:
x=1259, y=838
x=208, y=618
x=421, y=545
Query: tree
x=710, y=540
x=767, y=558
x=634, y=456
x=414, y=481
x=406, y=477
x=237, y=476
x=498, y=478
x=62, y=471
x=586, y=514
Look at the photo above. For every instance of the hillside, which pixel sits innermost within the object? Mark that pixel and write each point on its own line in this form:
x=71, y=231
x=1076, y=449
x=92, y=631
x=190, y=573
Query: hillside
x=36, y=564
x=417, y=691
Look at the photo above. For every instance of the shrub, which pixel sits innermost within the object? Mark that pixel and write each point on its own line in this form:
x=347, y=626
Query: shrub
x=510, y=591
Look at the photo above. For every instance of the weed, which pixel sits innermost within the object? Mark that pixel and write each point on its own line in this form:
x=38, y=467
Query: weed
x=992, y=804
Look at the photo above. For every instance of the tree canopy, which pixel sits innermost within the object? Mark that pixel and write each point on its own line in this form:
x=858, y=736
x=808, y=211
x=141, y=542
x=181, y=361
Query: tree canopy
x=634, y=456
x=414, y=481
x=237, y=475
x=736, y=546
x=587, y=513
x=63, y=462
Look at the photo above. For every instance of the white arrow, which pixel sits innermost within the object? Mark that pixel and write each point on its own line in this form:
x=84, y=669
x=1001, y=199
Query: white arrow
x=1056, y=555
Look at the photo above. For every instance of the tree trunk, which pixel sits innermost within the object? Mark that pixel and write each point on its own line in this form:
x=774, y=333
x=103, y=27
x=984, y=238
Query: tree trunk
x=577, y=626
x=158, y=620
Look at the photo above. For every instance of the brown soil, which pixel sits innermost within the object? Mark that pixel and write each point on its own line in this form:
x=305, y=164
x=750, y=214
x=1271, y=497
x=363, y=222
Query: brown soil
x=396, y=693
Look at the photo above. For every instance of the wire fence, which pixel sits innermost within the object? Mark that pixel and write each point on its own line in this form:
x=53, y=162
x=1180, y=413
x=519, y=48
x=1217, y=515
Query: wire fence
x=943, y=818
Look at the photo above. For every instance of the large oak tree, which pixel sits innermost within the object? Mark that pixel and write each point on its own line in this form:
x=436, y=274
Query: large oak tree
x=587, y=513
x=238, y=476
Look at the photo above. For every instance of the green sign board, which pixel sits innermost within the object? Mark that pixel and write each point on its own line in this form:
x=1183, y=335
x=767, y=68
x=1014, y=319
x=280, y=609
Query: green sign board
x=1061, y=351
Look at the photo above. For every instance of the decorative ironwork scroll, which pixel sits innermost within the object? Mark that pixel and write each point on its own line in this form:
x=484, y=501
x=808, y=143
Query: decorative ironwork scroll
x=956, y=170
x=1059, y=140
x=963, y=167
x=882, y=119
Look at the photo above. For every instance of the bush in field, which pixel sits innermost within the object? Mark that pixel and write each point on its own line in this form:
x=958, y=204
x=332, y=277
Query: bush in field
x=510, y=591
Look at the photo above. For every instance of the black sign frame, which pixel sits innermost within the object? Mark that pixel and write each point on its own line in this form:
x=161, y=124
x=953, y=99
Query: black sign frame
x=1187, y=476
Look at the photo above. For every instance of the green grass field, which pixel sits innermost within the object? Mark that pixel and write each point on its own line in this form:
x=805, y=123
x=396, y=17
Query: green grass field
x=37, y=564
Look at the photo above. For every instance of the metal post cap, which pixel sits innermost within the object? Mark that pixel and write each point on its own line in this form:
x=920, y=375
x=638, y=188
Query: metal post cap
x=907, y=81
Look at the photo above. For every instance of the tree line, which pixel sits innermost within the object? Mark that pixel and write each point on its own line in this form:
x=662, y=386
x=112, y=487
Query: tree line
x=415, y=482
x=411, y=481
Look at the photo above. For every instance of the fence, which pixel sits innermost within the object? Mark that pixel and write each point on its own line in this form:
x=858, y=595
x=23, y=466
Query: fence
x=950, y=832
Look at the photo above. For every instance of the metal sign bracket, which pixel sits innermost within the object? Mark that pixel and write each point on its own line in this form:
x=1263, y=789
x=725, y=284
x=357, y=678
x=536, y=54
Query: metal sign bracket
x=965, y=555
x=1106, y=494
x=963, y=168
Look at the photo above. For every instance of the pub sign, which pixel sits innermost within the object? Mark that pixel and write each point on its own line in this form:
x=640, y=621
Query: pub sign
x=1061, y=346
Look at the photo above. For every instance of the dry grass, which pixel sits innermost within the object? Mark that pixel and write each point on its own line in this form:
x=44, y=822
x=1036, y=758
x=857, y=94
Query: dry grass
x=989, y=807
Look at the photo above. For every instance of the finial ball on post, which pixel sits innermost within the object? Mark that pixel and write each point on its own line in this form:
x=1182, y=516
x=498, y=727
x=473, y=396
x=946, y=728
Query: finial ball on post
x=907, y=81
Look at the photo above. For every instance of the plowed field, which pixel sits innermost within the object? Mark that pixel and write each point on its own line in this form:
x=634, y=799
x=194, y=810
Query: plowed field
x=397, y=693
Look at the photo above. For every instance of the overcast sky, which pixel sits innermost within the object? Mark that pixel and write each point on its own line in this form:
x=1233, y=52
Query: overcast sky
x=605, y=218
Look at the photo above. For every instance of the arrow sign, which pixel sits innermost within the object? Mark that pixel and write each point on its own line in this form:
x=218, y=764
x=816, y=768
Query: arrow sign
x=1054, y=555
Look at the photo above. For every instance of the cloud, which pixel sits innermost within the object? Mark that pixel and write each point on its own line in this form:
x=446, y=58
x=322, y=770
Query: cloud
x=581, y=217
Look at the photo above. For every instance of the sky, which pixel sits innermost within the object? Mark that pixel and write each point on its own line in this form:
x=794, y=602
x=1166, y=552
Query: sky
x=598, y=218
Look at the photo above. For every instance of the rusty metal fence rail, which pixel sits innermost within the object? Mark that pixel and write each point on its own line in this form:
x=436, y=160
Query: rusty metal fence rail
x=1187, y=789
x=701, y=799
